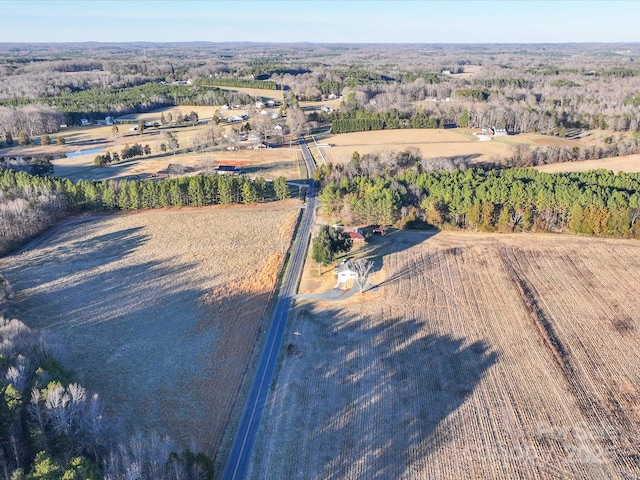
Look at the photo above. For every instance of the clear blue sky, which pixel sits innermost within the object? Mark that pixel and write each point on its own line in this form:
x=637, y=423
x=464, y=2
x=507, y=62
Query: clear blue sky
x=358, y=21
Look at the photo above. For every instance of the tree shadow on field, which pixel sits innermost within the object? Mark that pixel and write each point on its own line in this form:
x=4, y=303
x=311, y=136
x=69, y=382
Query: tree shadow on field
x=133, y=327
x=368, y=397
x=394, y=242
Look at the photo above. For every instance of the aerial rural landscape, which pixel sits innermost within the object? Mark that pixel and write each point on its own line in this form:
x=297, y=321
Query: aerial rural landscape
x=319, y=260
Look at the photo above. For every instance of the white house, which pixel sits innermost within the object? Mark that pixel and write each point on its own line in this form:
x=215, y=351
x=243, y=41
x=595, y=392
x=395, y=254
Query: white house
x=345, y=272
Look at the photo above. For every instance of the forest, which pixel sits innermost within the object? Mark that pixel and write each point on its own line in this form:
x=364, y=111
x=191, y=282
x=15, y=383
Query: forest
x=549, y=89
x=411, y=192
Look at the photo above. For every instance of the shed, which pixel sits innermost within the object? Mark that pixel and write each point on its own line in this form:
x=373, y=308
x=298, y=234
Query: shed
x=356, y=237
x=228, y=170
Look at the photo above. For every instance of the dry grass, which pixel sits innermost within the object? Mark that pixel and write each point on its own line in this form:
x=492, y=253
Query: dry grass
x=267, y=163
x=626, y=163
x=454, y=143
x=430, y=142
x=478, y=357
x=160, y=311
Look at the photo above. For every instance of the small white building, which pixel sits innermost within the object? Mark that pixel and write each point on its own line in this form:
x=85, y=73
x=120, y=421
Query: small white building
x=345, y=272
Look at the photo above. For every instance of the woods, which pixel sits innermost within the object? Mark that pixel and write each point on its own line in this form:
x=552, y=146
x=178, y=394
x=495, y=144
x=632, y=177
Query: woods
x=368, y=191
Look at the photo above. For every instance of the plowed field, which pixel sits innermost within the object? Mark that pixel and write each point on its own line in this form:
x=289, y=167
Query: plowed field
x=478, y=356
x=159, y=312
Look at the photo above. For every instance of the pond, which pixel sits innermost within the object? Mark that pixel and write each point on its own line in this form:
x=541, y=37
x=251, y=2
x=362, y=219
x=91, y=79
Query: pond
x=92, y=151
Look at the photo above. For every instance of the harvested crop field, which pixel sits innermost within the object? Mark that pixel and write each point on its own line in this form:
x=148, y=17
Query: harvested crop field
x=454, y=143
x=478, y=356
x=159, y=311
x=626, y=163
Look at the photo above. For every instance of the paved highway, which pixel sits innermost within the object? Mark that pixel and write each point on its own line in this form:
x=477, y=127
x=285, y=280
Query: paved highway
x=240, y=455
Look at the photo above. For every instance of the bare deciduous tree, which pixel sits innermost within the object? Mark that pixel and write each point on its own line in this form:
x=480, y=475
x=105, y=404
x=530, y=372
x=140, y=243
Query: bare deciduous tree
x=363, y=269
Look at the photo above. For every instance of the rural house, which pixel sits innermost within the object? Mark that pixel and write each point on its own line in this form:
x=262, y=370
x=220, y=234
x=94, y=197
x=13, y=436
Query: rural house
x=345, y=272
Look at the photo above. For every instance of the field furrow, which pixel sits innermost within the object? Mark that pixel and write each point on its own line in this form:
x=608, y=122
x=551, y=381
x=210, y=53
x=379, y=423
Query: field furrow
x=478, y=357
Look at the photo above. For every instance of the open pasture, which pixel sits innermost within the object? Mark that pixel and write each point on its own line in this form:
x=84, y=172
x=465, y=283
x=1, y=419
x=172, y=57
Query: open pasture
x=432, y=143
x=158, y=312
x=477, y=356
x=454, y=143
x=626, y=163
x=267, y=163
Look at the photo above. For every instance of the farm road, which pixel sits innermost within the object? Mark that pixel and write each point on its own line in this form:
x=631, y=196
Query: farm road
x=240, y=454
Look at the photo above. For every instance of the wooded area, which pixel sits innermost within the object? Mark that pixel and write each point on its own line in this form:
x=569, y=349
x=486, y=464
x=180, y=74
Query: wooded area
x=406, y=193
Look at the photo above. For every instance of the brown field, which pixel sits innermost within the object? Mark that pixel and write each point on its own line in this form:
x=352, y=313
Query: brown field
x=453, y=143
x=160, y=311
x=267, y=163
x=431, y=143
x=478, y=356
x=626, y=163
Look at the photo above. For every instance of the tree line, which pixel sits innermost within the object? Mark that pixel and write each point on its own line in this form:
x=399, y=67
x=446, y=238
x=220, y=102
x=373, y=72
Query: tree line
x=362, y=120
x=403, y=193
x=96, y=103
x=129, y=151
x=52, y=428
x=30, y=203
x=238, y=82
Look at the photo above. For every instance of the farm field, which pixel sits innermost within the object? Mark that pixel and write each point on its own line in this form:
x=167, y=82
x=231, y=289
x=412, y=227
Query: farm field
x=451, y=143
x=158, y=312
x=477, y=356
x=430, y=142
x=267, y=163
x=626, y=163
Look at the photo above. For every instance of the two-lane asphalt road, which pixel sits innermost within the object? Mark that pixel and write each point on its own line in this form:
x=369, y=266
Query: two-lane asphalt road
x=242, y=447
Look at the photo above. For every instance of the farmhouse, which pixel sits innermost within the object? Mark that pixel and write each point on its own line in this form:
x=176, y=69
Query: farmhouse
x=500, y=132
x=345, y=272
